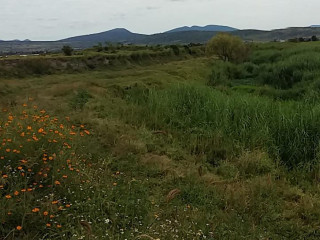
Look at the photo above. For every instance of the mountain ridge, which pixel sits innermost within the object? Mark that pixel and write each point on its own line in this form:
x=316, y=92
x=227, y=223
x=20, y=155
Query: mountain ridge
x=207, y=28
x=116, y=34
x=124, y=36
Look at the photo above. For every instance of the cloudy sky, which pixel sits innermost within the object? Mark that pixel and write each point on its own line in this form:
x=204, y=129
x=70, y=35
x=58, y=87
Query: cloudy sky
x=57, y=19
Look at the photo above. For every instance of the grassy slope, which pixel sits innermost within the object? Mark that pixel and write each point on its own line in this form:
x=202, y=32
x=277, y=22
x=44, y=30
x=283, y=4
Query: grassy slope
x=136, y=164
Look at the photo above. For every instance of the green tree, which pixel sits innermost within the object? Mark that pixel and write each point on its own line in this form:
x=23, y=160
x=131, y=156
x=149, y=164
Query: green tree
x=175, y=49
x=109, y=47
x=67, y=50
x=228, y=47
x=98, y=47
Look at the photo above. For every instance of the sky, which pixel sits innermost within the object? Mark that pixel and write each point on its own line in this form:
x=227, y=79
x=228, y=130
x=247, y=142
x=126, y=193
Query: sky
x=58, y=19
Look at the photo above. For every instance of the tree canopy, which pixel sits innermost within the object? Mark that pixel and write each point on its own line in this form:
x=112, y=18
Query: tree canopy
x=228, y=47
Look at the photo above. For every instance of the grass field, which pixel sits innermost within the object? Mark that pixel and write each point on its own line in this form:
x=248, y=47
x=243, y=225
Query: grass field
x=164, y=150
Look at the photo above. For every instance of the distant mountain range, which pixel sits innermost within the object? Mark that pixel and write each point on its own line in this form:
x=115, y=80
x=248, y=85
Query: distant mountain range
x=193, y=34
x=208, y=28
x=115, y=35
x=183, y=35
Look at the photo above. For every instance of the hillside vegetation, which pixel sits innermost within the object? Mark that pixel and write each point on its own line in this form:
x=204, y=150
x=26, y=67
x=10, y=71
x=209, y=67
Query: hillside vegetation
x=101, y=56
x=187, y=148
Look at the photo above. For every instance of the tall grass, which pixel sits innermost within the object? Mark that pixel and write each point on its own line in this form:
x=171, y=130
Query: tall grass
x=206, y=117
x=284, y=71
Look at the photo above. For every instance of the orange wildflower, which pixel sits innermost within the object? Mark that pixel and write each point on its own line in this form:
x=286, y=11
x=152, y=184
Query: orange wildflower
x=8, y=196
x=45, y=213
x=35, y=210
x=19, y=228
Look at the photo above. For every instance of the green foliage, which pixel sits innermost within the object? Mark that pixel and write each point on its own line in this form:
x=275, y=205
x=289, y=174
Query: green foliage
x=283, y=71
x=80, y=99
x=67, y=50
x=286, y=130
x=228, y=47
x=175, y=49
x=154, y=130
x=224, y=72
x=98, y=47
x=98, y=57
x=34, y=66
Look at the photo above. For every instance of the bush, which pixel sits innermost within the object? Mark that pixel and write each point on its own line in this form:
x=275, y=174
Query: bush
x=34, y=66
x=80, y=99
x=223, y=72
x=67, y=50
x=279, y=68
x=228, y=47
x=175, y=49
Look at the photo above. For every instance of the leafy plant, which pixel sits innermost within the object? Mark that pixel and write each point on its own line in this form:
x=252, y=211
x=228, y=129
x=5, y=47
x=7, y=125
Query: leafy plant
x=80, y=99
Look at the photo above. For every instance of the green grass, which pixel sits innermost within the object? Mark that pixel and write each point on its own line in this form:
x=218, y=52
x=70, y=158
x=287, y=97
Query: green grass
x=89, y=59
x=287, y=130
x=241, y=162
x=282, y=71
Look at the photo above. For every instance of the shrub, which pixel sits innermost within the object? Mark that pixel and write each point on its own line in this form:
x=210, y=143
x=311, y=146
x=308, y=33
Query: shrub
x=67, y=50
x=228, y=47
x=34, y=66
x=223, y=72
x=80, y=99
x=175, y=49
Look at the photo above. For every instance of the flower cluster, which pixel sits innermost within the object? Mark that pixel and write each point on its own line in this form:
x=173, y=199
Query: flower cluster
x=38, y=158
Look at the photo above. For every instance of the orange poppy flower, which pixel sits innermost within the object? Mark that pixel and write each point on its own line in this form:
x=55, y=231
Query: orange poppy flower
x=35, y=210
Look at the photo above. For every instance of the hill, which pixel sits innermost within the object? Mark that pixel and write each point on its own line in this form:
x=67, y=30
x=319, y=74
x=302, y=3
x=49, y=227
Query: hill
x=208, y=28
x=175, y=36
x=115, y=35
